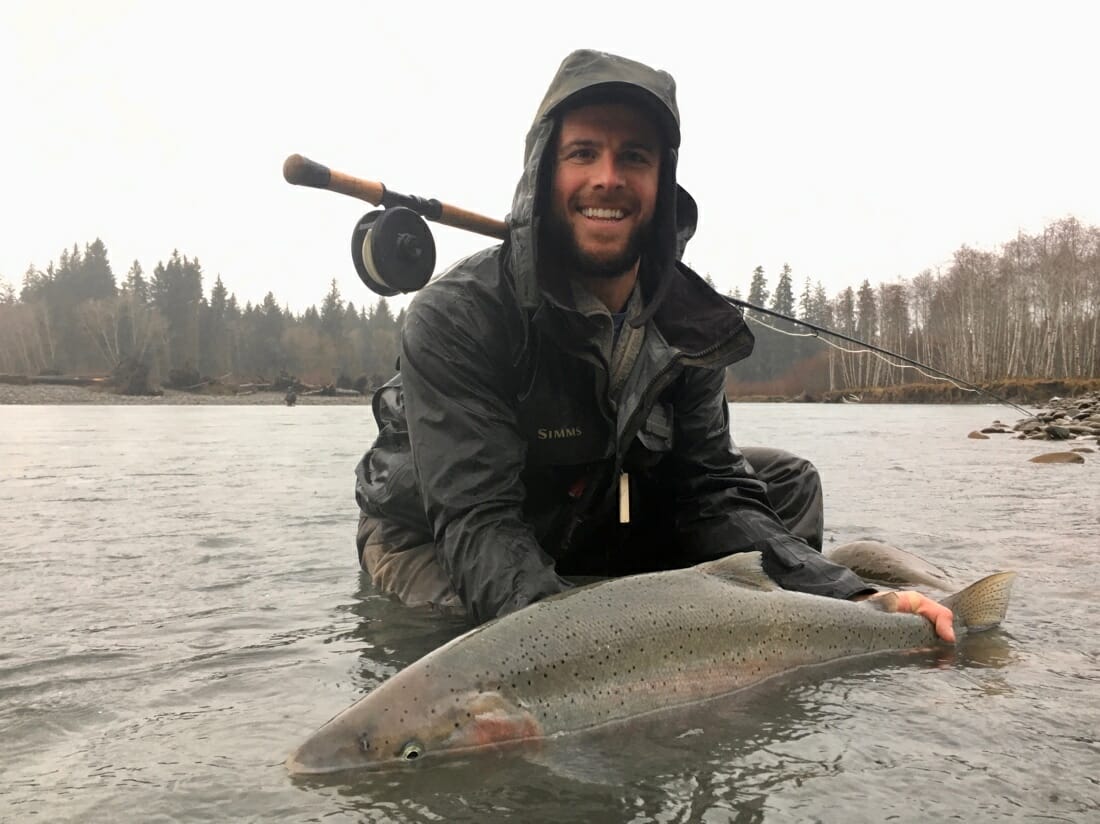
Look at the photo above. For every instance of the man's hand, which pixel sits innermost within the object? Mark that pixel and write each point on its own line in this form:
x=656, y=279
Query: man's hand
x=909, y=601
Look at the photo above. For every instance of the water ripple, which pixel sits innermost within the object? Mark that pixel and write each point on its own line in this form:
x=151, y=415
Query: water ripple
x=182, y=606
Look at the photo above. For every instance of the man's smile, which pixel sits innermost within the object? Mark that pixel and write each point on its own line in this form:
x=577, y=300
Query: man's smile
x=603, y=214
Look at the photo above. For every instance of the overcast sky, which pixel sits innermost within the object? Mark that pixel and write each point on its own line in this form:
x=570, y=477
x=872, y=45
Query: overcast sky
x=850, y=140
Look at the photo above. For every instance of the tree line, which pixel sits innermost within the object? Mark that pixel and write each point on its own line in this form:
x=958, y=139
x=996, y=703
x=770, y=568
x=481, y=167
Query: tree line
x=1029, y=310
x=74, y=318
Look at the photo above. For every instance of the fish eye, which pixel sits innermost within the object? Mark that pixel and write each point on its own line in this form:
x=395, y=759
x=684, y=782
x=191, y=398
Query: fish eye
x=411, y=751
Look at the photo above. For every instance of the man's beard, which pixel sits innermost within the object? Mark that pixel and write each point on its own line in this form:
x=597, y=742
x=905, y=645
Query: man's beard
x=560, y=244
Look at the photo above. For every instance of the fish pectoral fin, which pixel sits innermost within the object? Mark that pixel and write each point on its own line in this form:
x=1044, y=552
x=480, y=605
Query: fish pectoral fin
x=572, y=761
x=742, y=568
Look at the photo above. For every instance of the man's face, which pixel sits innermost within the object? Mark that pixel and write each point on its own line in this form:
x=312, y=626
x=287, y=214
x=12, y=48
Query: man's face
x=604, y=190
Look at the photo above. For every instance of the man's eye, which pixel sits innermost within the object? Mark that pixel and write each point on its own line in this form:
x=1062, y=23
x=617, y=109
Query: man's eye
x=580, y=154
x=637, y=158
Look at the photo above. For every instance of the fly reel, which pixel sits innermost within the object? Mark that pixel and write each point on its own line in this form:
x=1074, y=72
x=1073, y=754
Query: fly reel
x=393, y=251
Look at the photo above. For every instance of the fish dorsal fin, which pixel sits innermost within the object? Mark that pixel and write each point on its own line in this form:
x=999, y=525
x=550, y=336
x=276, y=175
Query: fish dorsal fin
x=743, y=568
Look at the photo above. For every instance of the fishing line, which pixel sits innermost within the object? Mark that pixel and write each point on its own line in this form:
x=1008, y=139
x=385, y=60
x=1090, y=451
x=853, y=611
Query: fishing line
x=869, y=349
x=871, y=352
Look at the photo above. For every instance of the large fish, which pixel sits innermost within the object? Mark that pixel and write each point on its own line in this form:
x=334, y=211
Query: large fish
x=614, y=650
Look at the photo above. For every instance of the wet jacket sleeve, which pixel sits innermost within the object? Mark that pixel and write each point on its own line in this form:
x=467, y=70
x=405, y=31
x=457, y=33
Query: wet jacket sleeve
x=723, y=508
x=468, y=454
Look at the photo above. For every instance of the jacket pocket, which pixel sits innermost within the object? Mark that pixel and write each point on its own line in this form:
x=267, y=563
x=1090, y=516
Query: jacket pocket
x=656, y=431
x=653, y=442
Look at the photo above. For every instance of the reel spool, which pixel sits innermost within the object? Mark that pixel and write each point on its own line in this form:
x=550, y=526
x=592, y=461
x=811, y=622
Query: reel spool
x=393, y=251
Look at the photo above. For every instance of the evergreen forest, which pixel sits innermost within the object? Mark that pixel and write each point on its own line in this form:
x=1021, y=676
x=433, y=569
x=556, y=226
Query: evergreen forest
x=1030, y=309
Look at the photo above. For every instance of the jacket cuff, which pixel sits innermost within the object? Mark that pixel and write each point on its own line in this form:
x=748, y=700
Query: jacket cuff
x=794, y=565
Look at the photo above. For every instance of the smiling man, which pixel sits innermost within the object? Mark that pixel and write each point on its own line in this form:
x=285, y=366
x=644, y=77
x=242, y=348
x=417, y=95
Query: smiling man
x=603, y=196
x=560, y=409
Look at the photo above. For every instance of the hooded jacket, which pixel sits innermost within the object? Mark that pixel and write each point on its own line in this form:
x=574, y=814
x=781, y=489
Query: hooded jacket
x=500, y=440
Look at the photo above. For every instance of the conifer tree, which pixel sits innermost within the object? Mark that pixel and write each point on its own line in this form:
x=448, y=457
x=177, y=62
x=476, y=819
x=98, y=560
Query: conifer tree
x=136, y=284
x=783, y=300
x=758, y=288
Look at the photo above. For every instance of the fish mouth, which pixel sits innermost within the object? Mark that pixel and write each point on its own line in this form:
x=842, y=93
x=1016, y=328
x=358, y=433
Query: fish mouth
x=335, y=747
x=296, y=767
x=303, y=769
x=302, y=763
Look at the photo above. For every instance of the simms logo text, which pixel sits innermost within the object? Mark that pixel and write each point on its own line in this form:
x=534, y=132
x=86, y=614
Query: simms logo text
x=565, y=432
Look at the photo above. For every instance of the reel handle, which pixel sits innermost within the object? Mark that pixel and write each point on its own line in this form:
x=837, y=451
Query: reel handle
x=301, y=171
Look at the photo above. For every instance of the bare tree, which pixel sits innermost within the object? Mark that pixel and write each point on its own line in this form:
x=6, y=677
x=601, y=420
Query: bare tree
x=101, y=320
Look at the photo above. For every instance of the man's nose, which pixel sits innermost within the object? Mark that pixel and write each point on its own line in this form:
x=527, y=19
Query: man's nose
x=608, y=173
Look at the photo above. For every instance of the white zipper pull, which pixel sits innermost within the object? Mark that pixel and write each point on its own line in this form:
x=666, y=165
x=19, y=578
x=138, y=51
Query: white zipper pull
x=624, y=498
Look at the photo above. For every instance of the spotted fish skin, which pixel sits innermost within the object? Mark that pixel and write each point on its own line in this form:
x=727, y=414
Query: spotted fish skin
x=608, y=652
x=884, y=562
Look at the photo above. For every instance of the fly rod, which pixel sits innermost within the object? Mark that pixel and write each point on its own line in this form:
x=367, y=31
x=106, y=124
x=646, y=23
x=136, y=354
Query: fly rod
x=394, y=252
x=822, y=330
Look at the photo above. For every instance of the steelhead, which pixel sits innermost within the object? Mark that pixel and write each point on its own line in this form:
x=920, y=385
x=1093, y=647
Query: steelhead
x=615, y=650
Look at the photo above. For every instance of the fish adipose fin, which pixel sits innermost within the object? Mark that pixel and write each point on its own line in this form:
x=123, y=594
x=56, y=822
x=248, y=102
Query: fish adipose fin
x=743, y=568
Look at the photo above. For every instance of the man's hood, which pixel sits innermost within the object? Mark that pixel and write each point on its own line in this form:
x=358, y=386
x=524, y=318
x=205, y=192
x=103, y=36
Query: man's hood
x=583, y=74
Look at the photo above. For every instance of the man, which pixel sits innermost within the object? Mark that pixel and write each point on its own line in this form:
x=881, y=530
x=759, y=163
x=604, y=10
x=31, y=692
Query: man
x=560, y=407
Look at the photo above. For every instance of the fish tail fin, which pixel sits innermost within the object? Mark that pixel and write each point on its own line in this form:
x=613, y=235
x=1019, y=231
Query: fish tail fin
x=983, y=604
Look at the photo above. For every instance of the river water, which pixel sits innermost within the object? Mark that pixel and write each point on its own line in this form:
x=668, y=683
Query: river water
x=181, y=607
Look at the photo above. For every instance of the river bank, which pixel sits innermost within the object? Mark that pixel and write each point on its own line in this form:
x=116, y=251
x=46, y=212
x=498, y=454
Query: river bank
x=1030, y=391
x=45, y=394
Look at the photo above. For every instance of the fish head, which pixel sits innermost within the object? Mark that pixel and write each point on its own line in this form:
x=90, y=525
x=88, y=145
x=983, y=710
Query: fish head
x=393, y=727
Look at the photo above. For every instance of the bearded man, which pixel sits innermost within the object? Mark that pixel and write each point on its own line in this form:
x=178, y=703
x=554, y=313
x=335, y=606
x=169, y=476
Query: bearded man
x=560, y=409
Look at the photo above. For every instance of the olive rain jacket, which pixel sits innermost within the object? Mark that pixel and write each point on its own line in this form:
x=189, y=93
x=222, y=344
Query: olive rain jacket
x=500, y=441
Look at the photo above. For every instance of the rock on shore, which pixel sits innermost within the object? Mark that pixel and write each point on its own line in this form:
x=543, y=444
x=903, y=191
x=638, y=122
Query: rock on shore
x=1060, y=419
